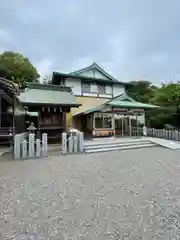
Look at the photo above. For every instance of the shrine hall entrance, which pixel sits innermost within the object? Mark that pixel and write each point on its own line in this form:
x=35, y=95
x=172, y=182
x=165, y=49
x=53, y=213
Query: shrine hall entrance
x=122, y=126
x=127, y=126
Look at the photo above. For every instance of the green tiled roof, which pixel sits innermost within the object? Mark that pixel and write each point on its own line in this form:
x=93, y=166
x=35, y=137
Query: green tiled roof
x=94, y=67
x=84, y=78
x=121, y=101
x=129, y=104
x=44, y=94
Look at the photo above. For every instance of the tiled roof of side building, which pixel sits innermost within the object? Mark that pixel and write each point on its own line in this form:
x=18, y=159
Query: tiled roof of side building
x=42, y=94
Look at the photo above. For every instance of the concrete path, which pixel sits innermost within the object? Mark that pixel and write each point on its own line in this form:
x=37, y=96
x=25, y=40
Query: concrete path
x=173, y=145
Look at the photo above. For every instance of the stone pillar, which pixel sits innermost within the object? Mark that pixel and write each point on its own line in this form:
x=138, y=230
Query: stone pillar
x=24, y=149
x=44, y=144
x=75, y=141
x=17, y=147
x=38, y=147
x=144, y=130
x=81, y=142
x=64, y=143
x=70, y=144
x=31, y=145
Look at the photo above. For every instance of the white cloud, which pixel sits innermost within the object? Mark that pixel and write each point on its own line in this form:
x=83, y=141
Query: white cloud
x=133, y=39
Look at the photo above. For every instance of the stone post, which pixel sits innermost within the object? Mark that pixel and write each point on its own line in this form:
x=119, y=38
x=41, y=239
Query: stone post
x=70, y=144
x=38, y=147
x=31, y=145
x=76, y=143
x=144, y=130
x=44, y=144
x=64, y=143
x=81, y=142
x=24, y=149
x=17, y=147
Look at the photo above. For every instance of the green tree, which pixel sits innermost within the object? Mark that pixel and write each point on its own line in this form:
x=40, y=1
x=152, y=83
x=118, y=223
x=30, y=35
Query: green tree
x=142, y=91
x=17, y=68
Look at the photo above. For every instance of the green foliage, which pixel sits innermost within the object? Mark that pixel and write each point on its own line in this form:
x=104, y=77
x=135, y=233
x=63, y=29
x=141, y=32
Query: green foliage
x=17, y=68
x=167, y=96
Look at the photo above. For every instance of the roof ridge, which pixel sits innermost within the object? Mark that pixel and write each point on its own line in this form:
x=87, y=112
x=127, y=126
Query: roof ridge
x=48, y=87
x=94, y=65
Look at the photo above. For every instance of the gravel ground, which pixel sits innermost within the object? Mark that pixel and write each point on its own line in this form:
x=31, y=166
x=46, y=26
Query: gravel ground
x=119, y=195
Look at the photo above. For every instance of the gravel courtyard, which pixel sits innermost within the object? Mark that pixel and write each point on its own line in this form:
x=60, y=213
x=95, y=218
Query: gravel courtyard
x=117, y=195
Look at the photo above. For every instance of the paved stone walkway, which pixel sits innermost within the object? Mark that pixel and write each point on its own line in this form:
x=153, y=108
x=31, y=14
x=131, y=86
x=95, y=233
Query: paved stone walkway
x=118, y=195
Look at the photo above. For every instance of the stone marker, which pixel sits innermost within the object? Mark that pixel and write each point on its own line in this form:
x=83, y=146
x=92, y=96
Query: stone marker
x=70, y=144
x=64, y=143
x=31, y=144
x=38, y=147
x=44, y=144
x=24, y=149
x=81, y=142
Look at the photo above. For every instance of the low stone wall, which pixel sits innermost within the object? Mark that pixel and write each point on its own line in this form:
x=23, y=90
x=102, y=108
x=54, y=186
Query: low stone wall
x=163, y=133
x=72, y=142
x=26, y=146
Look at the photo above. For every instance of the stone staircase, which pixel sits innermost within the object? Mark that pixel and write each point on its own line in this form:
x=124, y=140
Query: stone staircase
x=117, y=144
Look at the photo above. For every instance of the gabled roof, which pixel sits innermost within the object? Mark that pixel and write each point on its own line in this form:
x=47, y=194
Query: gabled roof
x=46, y=94
x=124, y=100
x=121, y=101
x=94, y=67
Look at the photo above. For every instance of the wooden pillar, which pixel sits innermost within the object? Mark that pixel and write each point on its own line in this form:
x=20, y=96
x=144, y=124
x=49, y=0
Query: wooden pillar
x=122, y=124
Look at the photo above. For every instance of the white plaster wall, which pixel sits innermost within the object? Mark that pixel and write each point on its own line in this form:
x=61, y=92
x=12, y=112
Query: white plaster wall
x=109, y=89
x=118, y=89
x=100, y=75
x=88, y=73
x=75, y=84
x=93, y=88
x=105, y=96
x=90, y=94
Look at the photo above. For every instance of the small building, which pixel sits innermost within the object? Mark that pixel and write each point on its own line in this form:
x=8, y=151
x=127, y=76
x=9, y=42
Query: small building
x=105, y=107
x=12, y=112
x=120, y=116
x=47, y=106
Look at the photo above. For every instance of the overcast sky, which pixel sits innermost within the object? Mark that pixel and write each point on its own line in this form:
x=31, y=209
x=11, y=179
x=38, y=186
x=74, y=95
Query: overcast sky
x=131, y=39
